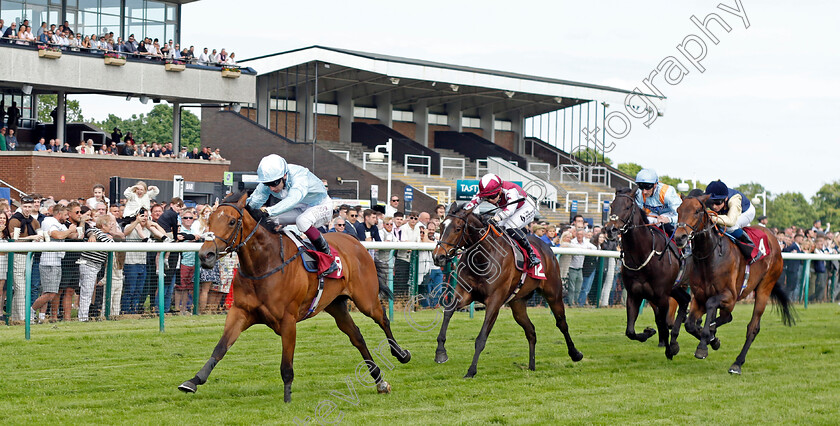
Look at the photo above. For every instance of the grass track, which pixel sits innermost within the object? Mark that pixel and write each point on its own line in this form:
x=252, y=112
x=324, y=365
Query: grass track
x=126, y=372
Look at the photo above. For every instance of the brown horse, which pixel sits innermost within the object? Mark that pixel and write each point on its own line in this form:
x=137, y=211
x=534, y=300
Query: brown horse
x=650, y=268
x=718, y=269
x=278, y=292
x=487, y=274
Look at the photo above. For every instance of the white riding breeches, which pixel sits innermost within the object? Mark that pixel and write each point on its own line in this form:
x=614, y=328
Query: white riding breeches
x=521, y=216
x=305, y=216
x=744, y=220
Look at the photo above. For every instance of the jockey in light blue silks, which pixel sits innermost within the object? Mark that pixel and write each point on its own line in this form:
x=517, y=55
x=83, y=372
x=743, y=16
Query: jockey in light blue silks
x=658, y=200
x=303, y=198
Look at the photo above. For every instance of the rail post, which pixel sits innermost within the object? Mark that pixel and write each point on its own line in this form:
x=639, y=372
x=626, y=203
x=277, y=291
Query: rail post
x=391, y=262
x=109, y=278
x=161, y=288
x=806, y=278
x=599, y=278
x=10, y=278
x=27, y=297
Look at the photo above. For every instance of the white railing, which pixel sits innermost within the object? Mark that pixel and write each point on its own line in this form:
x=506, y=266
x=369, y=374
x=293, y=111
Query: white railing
x=21, y=193
x=461, y=165
x=540, y=189
x=585, y=200
x=479, y=166
x=427, y=163
x=609, y=196
x=571, y=173
x=366, y=159
x=444, y=193
x=540, y=169
x=341, y=152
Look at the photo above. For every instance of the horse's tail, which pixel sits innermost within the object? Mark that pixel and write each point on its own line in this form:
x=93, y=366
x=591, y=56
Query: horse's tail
x=783, y=302
x=386, y=292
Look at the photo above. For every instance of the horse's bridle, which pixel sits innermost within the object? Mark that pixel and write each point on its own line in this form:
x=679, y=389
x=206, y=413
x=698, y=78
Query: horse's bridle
x=694, y=231
x=453, y=251
x=238, y=228
x=627, y=224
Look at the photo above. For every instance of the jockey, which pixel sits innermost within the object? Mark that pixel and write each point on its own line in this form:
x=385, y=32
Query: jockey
x=734, y=211
x=516, y=209
x=660, y=201
x=303, y=198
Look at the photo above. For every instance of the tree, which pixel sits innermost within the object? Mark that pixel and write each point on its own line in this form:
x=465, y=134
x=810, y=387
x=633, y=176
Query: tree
x=157, y=126
x=47, y=103
x=751, y=189
x=790, y=208
x=631, y=169
x=827, y=203
x=589, y=155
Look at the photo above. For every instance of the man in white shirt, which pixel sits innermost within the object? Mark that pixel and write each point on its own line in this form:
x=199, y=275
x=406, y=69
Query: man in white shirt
x=410, y=233
x=204, y=58
x=393, y=206
x=50, y=267
x=576, y=266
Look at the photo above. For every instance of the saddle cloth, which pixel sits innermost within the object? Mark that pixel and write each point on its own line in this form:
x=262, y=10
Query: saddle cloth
x=536, y=272
x=759, y=239
x=314, y=260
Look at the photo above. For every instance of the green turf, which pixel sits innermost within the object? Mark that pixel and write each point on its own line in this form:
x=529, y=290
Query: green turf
x=125, y=372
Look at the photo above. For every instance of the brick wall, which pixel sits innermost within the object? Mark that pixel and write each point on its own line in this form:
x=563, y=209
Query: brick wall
x=41, y=172
x=504, y=139
x=435, y=128
x=406, y=128
x=479, y=132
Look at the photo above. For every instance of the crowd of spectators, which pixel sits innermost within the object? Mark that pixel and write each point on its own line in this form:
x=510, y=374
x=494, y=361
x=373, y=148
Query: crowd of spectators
x=63, y=281
x=62, y=36
x=119, y=145
x=814, y=240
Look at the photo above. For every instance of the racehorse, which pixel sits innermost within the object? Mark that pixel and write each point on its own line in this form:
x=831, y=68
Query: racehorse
x=277, y=291
x=487, y=273
x=650, y=268
x=718, y=270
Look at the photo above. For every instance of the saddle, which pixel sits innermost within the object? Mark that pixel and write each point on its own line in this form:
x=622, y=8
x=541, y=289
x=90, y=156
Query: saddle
x=759, y=239
x=313, y=260
x=520, y=255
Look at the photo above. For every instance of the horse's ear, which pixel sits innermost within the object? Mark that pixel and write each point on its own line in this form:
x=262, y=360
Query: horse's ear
x=704, y=198
x=242, y=200
x=451, y=207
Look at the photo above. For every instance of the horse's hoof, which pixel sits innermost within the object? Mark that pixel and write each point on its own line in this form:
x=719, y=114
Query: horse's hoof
x=701, y=353
x=715, y=344
x=188, y=386
x=576, y=355
x=470, y=373
x=404, y=359
x=649, y=331
x=735, y=369
x=441, y=357
x=383, y=387
x=674, y=350
x=662, y=344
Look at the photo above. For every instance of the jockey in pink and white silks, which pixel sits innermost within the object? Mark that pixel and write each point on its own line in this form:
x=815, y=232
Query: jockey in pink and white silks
x=516, y=209
x=303, y=198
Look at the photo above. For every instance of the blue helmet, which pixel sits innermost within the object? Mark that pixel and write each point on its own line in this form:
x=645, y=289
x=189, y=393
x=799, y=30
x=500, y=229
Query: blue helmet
x=271, y=168
x=647, y=176
x=717, y=190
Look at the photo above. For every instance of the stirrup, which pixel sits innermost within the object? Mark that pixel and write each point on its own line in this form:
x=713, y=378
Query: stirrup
x=533, y=260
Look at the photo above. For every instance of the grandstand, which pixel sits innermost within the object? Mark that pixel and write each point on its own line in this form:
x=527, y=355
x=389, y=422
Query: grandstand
x=445, y=122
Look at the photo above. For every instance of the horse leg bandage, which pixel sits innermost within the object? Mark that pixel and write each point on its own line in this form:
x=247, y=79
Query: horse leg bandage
x=204, y=373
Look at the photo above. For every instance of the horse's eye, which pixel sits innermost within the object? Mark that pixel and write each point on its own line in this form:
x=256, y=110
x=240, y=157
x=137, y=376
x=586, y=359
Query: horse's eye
x=232, y=222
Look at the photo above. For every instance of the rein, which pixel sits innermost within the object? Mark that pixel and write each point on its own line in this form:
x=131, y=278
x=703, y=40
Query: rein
x=706, y=229
x=239, y=228
x=628, y=226
x=452, y=252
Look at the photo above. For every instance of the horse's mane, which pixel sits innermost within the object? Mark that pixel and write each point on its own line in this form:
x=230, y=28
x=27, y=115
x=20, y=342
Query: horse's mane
x=625, y=191
x=257, y=214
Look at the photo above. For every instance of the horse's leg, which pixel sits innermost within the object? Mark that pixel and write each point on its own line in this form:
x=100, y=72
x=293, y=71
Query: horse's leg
x=236, y=322
x=724, y=317
x=706, y=335
x=661, y=314
x=675, y=329
x=288, y=334
x=376, y=311
x=633, y=303
x=462, y=298
x=761, y=297
x=520, y=314
x=490, y=315
x=554, y=298
x=338, y=310
x=695, y=312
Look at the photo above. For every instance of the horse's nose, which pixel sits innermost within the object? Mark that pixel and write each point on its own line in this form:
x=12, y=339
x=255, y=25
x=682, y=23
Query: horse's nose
x=440, y=260
x=681, y=240
x=207, y=259
x=612, y=232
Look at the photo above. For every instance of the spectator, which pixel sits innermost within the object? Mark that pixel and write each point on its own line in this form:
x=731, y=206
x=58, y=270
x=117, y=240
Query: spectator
x=409, y=232
x=820, y=270
x=138, y=196
x=3, y=146
x=609, y=277
x=351, y=228
x=423, y=219
x=432, y=275
x=13, y=114
x=576, y=266
x=393, y=206
x=216, y=155
x=793, y=267
x=338, y=224
x=40, y=145
x=590, y=267
x=50, y=267
x=98, y=196
x=185, y=283
x=24, y=226
x=168, y=221
x=91, y=263
x=539, y=232
x=11, y=141
x=4, y=260
x=204, y=58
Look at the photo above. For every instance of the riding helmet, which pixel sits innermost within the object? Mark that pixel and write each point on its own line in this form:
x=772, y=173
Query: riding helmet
x=490, y=185
x=717, y=190
x=271, y=168
x=647, y=176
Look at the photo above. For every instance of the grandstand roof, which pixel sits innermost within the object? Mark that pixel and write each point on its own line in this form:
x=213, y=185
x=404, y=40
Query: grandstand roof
x=411, y=80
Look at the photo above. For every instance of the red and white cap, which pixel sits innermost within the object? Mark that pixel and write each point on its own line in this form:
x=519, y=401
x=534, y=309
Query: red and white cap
x=489, y=185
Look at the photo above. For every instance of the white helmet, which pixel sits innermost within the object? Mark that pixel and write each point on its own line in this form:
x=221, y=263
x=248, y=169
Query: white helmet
x=272, y=167
x=647, y=176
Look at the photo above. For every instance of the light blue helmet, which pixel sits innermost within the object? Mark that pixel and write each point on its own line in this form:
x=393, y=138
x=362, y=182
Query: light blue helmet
x=272, y=167
x=647, y=176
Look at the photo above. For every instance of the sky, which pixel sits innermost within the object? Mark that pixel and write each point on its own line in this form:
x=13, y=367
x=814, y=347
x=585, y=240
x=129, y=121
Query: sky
x=764, y=110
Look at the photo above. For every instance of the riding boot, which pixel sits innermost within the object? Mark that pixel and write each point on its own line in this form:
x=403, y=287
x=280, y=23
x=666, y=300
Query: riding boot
x=519, y=236
x=321, y=245
x=746, y=246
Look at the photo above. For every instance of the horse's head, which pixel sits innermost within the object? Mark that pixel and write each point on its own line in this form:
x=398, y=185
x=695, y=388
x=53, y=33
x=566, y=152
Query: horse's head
x=692, y=218
x=224, y=231
x=460, y=229
x=622, y=213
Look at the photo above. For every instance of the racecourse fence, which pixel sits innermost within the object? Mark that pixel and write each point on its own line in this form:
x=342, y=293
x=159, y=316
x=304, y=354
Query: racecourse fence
x=406, y=268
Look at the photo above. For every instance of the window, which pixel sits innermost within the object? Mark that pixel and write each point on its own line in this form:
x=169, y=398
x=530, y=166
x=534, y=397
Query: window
x=326, y=109
x=471, y=122
x=439, y=119
x=398, y=115
x=505, y=126
x=364, y=112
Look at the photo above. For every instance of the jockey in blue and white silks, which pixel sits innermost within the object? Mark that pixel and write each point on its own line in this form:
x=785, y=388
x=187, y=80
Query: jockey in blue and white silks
x=734, y=211
x=658, y=200
x=303, y=198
